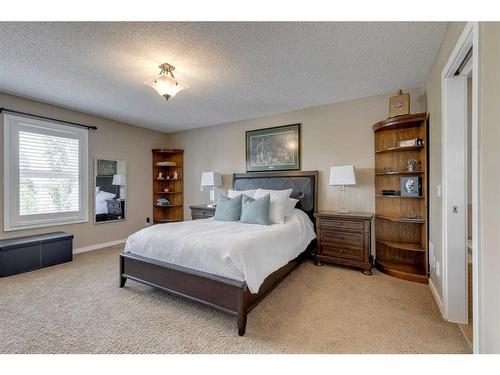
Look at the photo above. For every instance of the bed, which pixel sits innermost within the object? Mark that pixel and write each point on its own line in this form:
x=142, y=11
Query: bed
x=184, y=259
x=104, y=191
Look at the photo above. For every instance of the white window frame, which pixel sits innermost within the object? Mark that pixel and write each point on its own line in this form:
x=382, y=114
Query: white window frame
x=12, y=219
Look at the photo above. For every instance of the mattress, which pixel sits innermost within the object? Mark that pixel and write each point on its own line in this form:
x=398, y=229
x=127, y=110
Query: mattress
x=243, y=252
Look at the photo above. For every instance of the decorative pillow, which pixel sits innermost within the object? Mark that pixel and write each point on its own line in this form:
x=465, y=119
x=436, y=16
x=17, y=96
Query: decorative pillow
x=292, y=202
x=101, y=207
x=228, y=209
x=255, y=211
x=235, y=193
x=279, y=203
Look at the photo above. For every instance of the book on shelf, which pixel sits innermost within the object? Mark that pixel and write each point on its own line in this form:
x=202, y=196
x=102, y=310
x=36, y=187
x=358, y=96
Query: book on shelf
x=411, y=143
x=412, y=218
x=162, y=202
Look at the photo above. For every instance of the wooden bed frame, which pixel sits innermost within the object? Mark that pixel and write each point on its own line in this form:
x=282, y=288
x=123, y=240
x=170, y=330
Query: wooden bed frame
x=231, y=296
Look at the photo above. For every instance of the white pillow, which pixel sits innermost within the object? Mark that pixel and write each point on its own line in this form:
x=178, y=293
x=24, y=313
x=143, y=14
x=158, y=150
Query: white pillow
x=101, y=207
x=279, y=203
x=235, y=193
x=292, y=202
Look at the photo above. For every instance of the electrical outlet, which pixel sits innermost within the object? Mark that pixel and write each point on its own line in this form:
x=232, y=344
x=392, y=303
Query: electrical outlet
x=438, y=269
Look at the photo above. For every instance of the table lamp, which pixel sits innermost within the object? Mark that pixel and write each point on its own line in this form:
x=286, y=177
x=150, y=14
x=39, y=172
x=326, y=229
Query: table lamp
x=211, y=180
x=119, y=181
x=342, y=176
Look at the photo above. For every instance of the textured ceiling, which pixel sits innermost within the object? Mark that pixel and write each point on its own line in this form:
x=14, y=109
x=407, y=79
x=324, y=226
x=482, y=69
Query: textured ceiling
x=235, y=70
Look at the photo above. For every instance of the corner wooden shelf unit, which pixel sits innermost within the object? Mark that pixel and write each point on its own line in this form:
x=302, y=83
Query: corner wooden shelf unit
x=174, y=211
x=401, y=244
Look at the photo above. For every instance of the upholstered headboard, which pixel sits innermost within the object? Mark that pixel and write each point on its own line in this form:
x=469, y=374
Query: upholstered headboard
x=105, y=183
x=303, y=183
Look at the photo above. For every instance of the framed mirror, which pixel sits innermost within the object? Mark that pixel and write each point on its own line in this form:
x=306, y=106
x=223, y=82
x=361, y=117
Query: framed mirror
x=110, y=184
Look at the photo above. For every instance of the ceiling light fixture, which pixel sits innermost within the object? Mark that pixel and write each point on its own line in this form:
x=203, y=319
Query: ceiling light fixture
x=165, y=83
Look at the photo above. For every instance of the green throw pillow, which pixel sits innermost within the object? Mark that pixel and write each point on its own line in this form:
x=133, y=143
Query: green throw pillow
x=256, y=211
x=228, y=209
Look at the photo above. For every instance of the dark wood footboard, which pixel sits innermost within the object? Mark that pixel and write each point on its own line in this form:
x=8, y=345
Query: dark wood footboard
x=231, y=296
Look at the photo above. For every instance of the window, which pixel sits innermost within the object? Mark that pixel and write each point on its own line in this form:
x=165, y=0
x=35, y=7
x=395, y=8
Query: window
x=45, y=173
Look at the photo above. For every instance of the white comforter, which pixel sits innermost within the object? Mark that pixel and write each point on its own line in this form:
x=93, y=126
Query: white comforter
x=244, y=252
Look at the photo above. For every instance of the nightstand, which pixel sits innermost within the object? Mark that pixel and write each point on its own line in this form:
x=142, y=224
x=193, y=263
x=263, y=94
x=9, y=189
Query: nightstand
x=116, y=209
x=344, y=239
x=201, y=211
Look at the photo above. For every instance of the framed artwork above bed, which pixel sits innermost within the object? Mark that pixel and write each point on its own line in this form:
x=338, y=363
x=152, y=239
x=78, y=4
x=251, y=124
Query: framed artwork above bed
x=273, y=149
x=106, y=167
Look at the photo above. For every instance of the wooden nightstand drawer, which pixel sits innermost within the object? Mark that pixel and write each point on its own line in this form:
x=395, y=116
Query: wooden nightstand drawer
x=201, y=212
x=342, y=237
x=342, y=251
x=344, y=224
x=115, y=208
x=196, y=216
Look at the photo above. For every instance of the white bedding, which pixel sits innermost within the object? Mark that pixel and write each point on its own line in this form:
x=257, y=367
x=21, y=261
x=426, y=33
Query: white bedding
x=244, y=252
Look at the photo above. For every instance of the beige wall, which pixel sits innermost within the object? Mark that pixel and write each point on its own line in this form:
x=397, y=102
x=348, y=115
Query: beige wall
x=433, y=101
x=489, y=206
x=113, y=140
x=334, y=134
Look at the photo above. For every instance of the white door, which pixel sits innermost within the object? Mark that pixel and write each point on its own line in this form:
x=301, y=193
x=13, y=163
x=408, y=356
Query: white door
x=455, y=199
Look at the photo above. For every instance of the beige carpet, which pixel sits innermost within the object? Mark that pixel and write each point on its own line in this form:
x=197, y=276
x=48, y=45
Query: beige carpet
x=78, y=308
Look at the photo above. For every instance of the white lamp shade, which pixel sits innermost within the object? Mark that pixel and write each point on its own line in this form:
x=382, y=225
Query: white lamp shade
x=342, y=175
x=166, y=85
x=211, y=179
x=118, y=179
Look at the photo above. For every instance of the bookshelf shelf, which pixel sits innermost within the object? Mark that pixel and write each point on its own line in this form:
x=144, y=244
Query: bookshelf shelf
x=175, y=210
x=401, y=245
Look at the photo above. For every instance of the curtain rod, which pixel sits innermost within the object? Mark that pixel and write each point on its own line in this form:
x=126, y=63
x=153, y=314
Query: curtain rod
x=48, y=118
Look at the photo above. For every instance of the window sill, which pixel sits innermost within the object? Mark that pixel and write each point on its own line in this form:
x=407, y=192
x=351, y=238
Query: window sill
x=43, y=225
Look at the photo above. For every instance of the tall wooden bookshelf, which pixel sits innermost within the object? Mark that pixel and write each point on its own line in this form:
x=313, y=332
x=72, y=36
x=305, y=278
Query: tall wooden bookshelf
x=401, y=245
x=175, y=210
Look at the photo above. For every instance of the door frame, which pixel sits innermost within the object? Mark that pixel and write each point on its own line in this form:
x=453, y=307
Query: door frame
x=469, y=38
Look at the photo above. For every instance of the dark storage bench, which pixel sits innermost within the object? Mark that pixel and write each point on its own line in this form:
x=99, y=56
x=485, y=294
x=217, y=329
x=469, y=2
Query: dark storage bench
x=30, y=253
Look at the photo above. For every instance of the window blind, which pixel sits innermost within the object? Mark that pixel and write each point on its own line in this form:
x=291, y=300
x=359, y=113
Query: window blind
x=48, y=174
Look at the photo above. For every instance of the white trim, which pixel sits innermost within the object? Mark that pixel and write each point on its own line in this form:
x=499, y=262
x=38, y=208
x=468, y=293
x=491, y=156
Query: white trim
x=468, y=38
x=438, y=300
x=12, y=219
x=98, y=246
x=477, y=305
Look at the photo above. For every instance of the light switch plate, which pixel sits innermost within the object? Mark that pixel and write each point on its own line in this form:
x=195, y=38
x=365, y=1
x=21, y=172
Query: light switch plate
x=432, y=260
x=438, y=191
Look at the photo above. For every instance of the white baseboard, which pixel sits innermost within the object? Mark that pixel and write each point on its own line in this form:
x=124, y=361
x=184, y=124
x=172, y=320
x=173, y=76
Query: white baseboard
x=98, y=246
x=439, y=302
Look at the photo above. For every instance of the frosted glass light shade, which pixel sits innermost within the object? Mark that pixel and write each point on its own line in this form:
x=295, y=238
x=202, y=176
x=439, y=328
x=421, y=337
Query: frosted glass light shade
x=211, y=179
x=166, y=86
x=342, y=175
